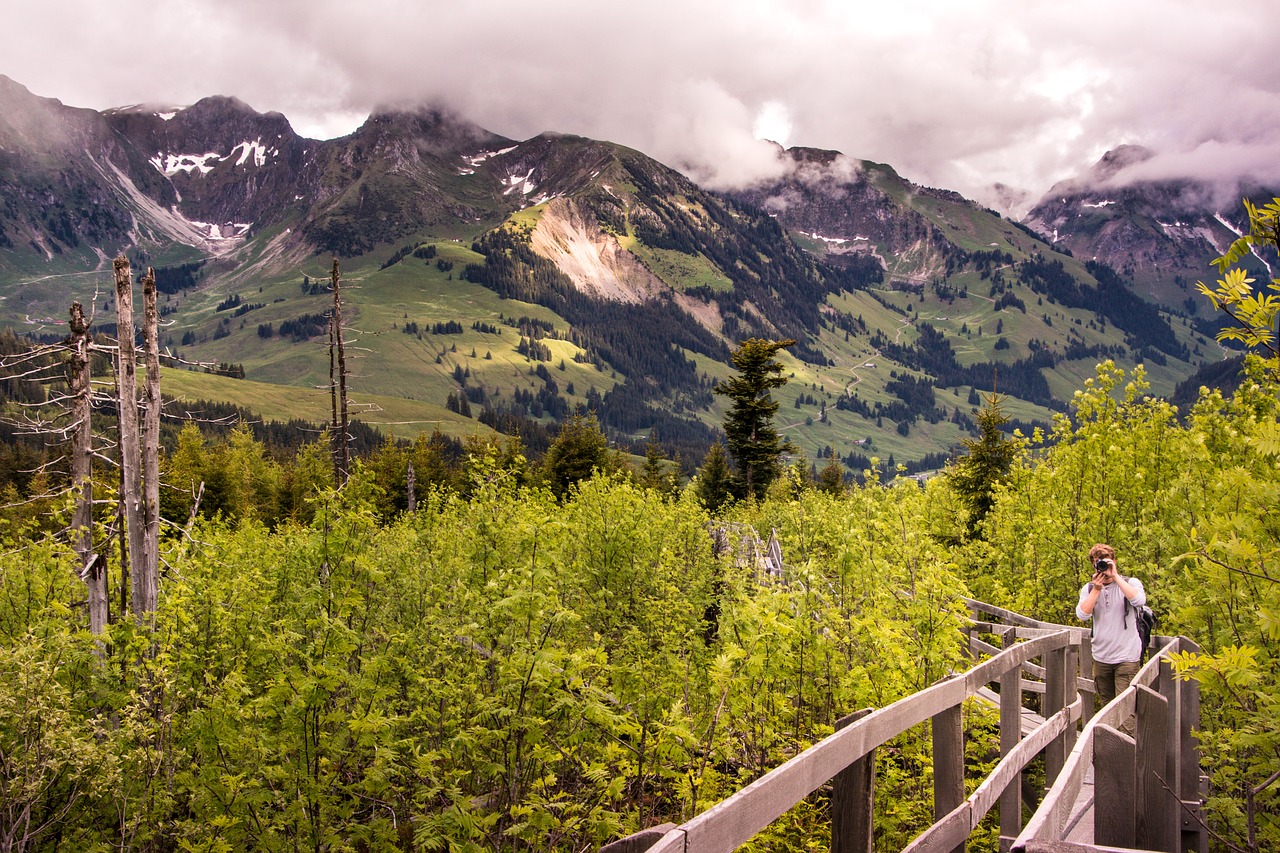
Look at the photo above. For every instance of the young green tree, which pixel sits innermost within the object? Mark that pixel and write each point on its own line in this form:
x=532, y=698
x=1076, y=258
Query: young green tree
x=990, y=456
x=754, y=442
x=578, y=450
x=715, y=482
x=655, y=473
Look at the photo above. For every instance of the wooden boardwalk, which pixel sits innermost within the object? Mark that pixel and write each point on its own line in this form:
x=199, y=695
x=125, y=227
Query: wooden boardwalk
x=1125, y=779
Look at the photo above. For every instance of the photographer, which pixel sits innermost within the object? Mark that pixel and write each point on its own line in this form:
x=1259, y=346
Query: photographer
x=1117, y=645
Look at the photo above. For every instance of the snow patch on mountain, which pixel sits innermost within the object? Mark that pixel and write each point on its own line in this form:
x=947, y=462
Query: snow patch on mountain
x=172, y=164
x=836, y=241
x=1227, y=225
x=254, y=149
x=1236, y=231
x=225, y=231
x=522, y=182
x=474, y=160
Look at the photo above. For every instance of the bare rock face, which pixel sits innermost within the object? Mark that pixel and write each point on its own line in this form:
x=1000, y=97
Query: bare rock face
x=593, y=260
x=1163, y=234
x=846, y=205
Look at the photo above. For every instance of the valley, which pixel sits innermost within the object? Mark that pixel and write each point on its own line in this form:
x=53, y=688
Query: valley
x=488, y=281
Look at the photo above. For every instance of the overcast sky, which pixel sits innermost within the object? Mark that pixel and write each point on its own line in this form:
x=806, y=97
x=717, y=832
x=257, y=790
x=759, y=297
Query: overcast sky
x=953, y=93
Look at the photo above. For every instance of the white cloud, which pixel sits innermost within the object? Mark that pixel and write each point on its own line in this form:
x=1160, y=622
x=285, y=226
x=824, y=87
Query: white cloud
x=953, y=93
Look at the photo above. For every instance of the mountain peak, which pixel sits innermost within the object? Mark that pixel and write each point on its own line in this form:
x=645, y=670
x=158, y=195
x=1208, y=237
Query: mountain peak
x=1118, y=159
x=437, y=129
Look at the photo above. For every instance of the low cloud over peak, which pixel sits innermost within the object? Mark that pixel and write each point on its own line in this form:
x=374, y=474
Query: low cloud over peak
x=962, y=96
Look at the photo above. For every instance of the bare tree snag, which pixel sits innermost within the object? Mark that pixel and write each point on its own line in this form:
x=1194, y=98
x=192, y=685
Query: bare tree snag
x=92, y=568
x=343, y=465
x=151, y=443
x=411, y=497
x=130, y=446
x=333, y=404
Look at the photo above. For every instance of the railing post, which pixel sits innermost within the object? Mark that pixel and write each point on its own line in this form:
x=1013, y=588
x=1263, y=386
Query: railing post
x=1156, y=817
x=1173, y=746
x=948, y=764
x=1055, y=699
x=1194, y=837
x=1073, y=693
x=1090, y=692
x=1010, y=734
x=1114, y=804
x=853, y=800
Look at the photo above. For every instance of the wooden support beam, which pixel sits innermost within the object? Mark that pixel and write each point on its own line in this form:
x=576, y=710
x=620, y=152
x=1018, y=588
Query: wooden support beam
x=1055, y=699
x=1089, y=691
x=1010, y=734
x=948, y=764
x=853, y=800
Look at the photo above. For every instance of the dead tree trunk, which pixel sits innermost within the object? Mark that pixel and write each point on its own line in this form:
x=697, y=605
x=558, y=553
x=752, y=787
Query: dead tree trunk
x=151, y=443
x=343, y=466
x=130, y=446
x=92, y=569
x=410, y=483
x=333, y=404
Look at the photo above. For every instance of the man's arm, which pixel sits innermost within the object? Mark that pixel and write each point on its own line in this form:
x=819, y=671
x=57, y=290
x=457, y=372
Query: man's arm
x=1088, y=599
x=1132, y=589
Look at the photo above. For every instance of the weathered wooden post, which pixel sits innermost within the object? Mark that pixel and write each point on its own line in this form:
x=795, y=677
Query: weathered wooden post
x=1073, y=693
x=1055, y=699
x=1156, y=817
x=1114, y=803
x=1010, y=734
x=853, y=800
x=1194, y=837
x=948, y=763
x=1090, y=692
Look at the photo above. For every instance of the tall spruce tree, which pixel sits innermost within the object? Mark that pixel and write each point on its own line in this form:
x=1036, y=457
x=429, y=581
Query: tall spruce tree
x=753, y=441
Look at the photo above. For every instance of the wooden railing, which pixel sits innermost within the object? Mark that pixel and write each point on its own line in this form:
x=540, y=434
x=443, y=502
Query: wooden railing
x=1143, y=813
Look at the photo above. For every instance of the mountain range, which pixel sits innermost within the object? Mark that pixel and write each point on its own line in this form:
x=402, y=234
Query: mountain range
x=501, y=284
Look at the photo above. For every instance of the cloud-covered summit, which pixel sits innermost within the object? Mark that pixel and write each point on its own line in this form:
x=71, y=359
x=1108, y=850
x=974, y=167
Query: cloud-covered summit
x=958, y=95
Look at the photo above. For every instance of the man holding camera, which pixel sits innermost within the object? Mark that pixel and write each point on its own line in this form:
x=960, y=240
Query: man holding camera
x=1117, y=645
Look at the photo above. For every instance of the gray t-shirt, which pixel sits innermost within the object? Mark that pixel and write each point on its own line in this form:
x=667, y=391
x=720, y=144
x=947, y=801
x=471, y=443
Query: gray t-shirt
x=1115, y=632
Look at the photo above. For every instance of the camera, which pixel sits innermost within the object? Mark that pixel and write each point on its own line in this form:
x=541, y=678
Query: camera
x=1103, y=564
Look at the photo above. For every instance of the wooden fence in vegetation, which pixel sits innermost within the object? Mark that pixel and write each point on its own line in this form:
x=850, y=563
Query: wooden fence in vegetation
x=1146, y=786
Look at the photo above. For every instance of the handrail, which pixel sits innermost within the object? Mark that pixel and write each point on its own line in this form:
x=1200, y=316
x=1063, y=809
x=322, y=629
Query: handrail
x=735, y=820
x=1048, y=824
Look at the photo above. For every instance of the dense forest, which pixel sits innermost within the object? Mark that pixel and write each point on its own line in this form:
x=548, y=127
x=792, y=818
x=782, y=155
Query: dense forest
x=521, y=655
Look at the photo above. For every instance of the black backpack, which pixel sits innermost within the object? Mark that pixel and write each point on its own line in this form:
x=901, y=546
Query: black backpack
x=1146, y=622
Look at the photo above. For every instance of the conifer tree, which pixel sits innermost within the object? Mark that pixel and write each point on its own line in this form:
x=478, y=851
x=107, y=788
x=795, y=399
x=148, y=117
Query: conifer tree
x=578, y=450
x=990, y=456
x=715, y=481
x=753, y=440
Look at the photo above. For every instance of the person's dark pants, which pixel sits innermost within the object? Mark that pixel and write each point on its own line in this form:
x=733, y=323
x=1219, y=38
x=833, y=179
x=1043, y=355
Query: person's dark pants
x=1112, y=679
